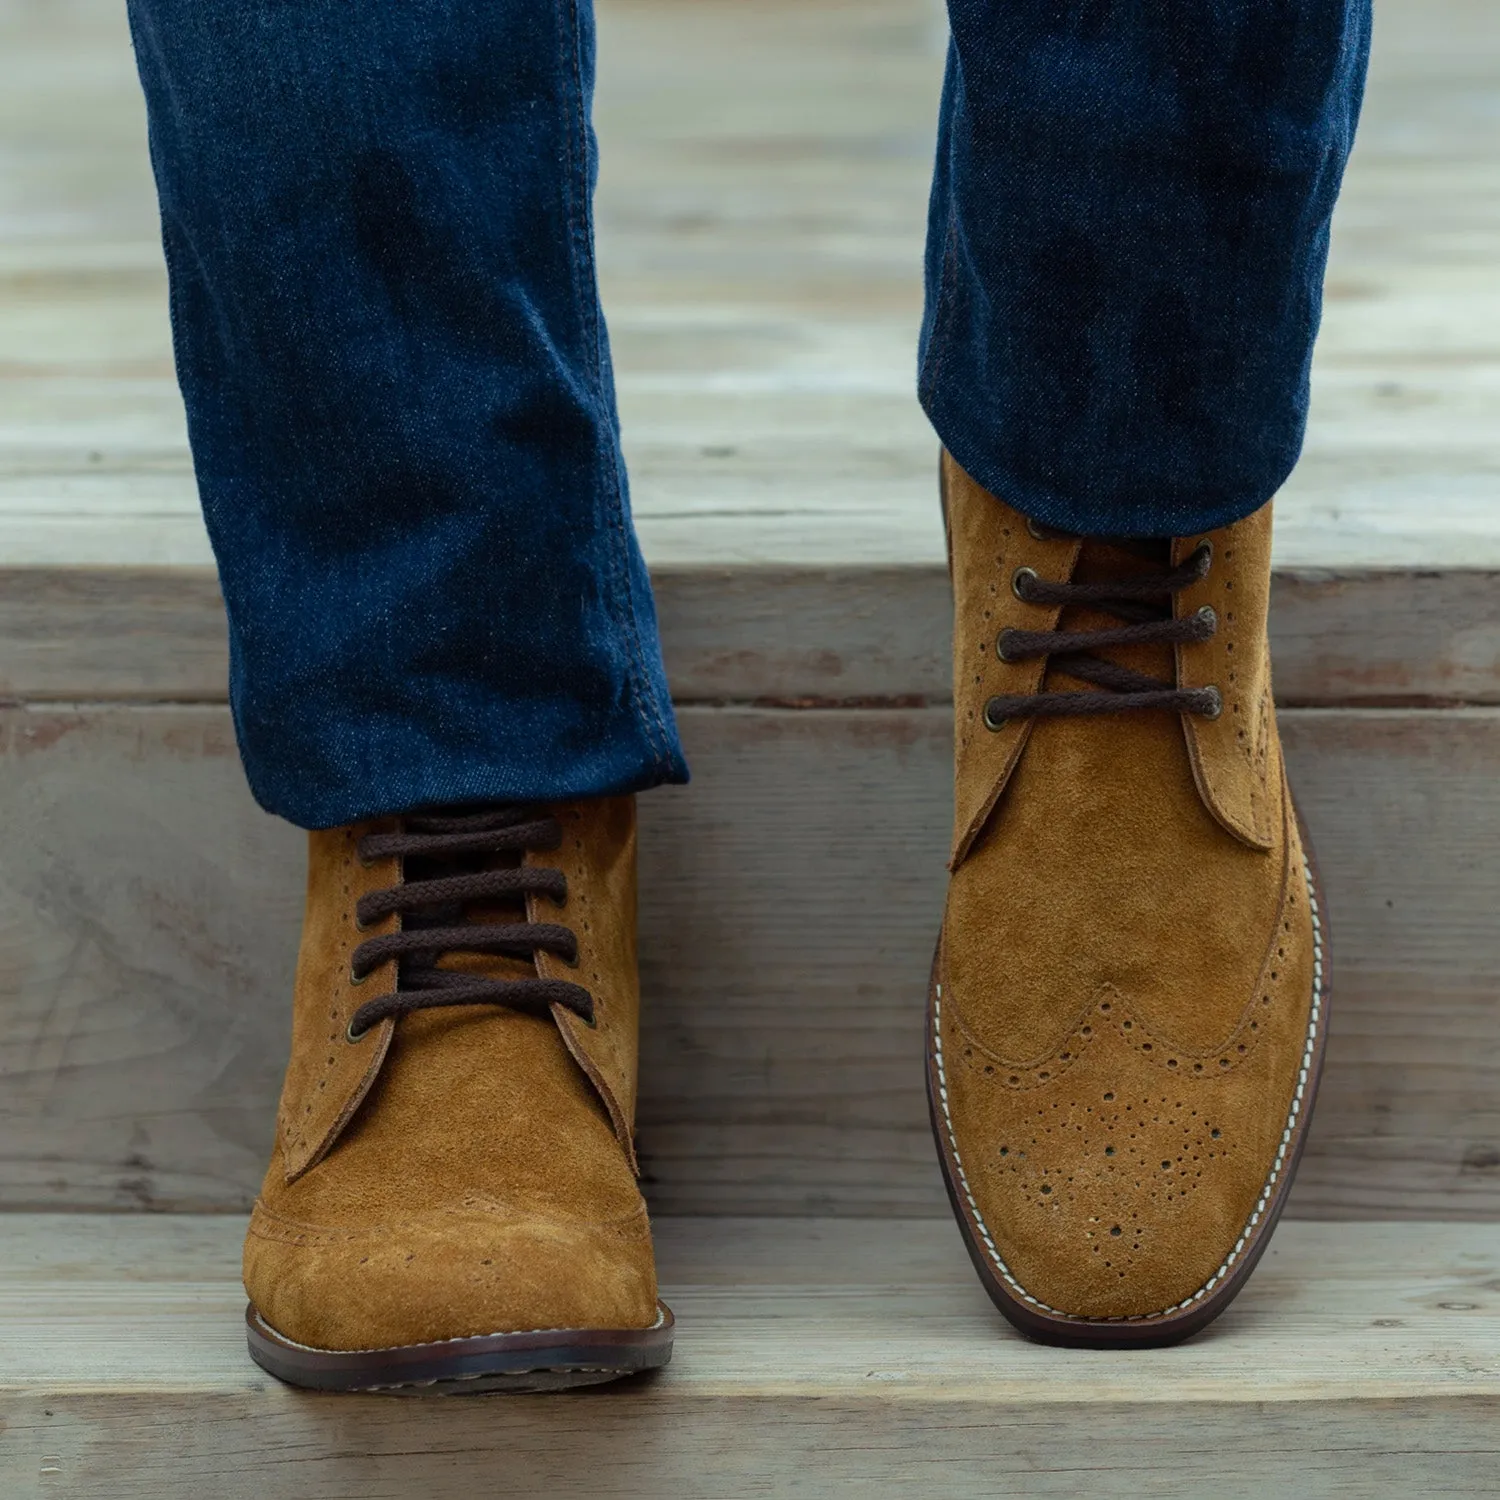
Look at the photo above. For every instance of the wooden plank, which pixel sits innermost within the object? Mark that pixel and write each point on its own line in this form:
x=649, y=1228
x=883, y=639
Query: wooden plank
x=846, y=636
x=80, y=634
x=790, y=900
x=813, y=1358
x=621, y=1444
x=1386, y=637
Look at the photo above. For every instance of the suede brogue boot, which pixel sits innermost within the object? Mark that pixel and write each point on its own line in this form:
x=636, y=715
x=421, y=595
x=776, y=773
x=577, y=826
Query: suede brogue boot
x=1129, y=996
x=452, y=1200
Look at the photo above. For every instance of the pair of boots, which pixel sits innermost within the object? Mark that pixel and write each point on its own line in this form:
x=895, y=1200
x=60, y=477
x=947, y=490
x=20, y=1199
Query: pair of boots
x=1126, y=1012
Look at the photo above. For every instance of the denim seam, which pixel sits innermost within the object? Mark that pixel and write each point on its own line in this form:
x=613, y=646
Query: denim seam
x=586, y=286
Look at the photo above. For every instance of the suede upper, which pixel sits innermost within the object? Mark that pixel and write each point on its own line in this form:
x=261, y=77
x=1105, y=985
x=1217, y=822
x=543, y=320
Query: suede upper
x=464, y=1174
x=1125, y=982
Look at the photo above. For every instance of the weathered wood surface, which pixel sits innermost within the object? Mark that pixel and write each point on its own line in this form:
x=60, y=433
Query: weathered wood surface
x=813, y=1359
x=752, y=634
x=790, y=898
x=760, y=224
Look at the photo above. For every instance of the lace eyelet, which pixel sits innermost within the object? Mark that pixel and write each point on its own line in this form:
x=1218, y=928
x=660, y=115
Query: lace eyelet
x=1001, y=654
x=1211, y=615
x=1206, y=546
x=354, y=1037
x=993, y=720
x=355, y=980
x=1015, y=582
x=1035, y=531
x=1218, y=704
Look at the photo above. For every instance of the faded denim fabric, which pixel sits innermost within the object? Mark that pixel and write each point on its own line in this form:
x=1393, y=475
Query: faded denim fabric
x=378, y=228
x=1125, y=260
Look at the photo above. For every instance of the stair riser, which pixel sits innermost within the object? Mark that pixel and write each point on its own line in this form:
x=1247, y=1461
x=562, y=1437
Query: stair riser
x=634, y=1441
x=1366, y=636
x=790, y=900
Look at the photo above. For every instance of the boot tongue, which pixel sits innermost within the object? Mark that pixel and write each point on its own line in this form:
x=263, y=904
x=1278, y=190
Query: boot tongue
x=1105, y=560
x=496, y=912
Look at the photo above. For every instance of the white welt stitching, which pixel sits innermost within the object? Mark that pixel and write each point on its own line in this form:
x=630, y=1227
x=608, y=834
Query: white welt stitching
x=1314, y=1022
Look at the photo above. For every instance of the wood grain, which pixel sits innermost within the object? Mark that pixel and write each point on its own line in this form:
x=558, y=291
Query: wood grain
x=813, y=1358
x=790, y=899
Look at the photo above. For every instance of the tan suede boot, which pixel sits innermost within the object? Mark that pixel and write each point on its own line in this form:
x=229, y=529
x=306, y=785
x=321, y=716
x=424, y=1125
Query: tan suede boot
x=452, y=1200
x=1129, y=998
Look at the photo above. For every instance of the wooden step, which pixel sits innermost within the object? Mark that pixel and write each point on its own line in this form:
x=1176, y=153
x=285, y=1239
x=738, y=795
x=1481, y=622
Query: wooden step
x=761, y=214
x=760, y=237
x=796, y=636
x=814, y=1358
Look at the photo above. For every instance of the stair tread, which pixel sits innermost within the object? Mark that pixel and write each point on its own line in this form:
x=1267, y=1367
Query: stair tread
x=111, y=1304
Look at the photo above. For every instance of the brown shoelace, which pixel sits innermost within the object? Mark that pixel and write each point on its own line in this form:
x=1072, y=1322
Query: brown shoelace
x=1144, y=604
x=448, y=862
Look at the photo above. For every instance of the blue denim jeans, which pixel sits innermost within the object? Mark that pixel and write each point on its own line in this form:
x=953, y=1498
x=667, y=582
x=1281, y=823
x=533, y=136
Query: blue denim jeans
x=1126, y=249
x=377, y=222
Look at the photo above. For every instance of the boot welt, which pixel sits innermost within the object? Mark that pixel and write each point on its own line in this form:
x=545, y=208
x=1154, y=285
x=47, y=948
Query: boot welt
x=551, y=1359
x=1048, y=1326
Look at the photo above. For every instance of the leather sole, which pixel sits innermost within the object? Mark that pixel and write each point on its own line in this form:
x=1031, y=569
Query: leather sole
x=552, y=1359
x=1049, y=1326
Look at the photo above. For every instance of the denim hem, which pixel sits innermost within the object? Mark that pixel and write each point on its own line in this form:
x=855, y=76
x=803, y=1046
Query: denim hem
x=993, y=473
x=446, y=782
